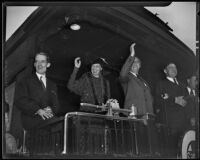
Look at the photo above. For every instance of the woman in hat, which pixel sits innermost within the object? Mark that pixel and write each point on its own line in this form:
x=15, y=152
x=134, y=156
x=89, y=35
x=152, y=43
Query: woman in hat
x=92, y=87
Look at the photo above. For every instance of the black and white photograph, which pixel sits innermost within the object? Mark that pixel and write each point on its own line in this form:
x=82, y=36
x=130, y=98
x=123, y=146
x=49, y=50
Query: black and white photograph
x=100, y=80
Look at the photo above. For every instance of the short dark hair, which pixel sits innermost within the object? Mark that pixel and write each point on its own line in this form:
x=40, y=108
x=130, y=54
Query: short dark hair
x=44, y=54
x=170, y=64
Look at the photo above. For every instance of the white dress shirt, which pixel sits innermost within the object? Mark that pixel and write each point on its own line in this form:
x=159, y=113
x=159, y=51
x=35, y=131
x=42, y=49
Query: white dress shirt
x=133, y=73
x=172, y=80
x=140, y=78
x=43, y=78
x=189, y=90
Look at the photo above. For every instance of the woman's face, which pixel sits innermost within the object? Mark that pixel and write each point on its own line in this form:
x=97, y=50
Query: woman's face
x=96, y=69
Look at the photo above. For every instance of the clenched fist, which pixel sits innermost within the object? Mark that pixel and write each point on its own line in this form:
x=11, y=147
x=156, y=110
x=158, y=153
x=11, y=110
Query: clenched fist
x=77, y=62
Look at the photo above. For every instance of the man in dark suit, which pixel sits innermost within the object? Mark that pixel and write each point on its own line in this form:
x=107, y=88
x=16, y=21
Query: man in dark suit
x=170, y=105
x=191, y=108
x=36, y=95
x=138, y=94
x=137, y=91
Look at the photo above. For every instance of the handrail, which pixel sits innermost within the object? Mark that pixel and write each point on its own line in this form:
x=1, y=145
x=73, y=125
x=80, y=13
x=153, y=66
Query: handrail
x=67, y=115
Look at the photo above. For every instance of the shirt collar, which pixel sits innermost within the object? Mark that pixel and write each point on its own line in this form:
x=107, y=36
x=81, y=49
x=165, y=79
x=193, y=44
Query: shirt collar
x=189, y=90
x=39, y=75
x=133, y=73
x=170, y=79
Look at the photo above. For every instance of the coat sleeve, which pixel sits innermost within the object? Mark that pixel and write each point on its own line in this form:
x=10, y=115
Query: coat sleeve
x=159, y=107
x=23, y=100
x=161, y=90
x=158, y=100
x=55, y=102
x=108, y=89
x=74, y=85
x=125, y=69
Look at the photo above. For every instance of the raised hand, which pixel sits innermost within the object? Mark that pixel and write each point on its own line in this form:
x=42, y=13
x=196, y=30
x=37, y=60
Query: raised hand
x=132, y=49
x=77, y=62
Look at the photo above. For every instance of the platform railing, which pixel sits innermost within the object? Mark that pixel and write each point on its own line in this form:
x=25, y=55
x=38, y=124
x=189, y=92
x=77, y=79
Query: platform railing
x=80, y=133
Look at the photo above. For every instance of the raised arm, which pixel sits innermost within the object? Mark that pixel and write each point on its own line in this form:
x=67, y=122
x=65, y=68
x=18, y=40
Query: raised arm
x=108, y=89
x=73, y=84
x=127, y=65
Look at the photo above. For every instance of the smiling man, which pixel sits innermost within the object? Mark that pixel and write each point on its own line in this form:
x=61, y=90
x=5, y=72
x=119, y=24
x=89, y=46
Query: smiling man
x=36, y=95
x=136, y=89
x=170, y=104
x=92, y=87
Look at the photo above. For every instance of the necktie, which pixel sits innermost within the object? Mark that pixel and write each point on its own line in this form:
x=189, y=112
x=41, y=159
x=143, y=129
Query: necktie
x=175, y=81
x=191, y=93
x=43, y=86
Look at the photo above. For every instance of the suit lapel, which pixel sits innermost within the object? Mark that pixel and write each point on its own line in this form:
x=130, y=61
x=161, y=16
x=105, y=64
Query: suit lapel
x=137, y=80
x=37, y=81
x=143, y=81
x=172, y=82
x=47, y=84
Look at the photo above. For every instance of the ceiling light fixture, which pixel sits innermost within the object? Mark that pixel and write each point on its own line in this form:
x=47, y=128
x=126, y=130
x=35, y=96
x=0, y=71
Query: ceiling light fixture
x=75, y=27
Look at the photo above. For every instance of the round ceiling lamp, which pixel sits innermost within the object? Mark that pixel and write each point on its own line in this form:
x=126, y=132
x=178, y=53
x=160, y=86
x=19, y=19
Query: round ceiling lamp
x=75, y=27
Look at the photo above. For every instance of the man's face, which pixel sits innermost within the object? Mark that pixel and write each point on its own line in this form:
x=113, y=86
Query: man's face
x=171, y=70
x=136, y=65
x=192, y=82
x=41, y=64
x=96, y=69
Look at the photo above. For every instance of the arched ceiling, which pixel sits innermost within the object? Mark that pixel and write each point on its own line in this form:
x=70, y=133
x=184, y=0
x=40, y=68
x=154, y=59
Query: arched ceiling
x=105, y=32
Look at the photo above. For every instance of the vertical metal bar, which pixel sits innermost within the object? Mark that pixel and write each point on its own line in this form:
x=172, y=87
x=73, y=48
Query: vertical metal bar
x=122, y=136
x=65, y=149
x=116, y=137
x=149, y=131
x=24, y=142
x=106, y=139
x=78, y=136
x=132, y=134
x=136, y=142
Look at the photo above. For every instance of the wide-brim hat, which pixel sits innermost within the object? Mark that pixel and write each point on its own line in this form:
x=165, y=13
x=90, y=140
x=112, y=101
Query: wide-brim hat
x=100, y=61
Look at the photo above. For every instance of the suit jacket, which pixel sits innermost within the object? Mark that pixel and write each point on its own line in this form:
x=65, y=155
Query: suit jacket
x=83, y=87
x=136, y=90
x=191, y=108
x=170, y=113
x=30, y=97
